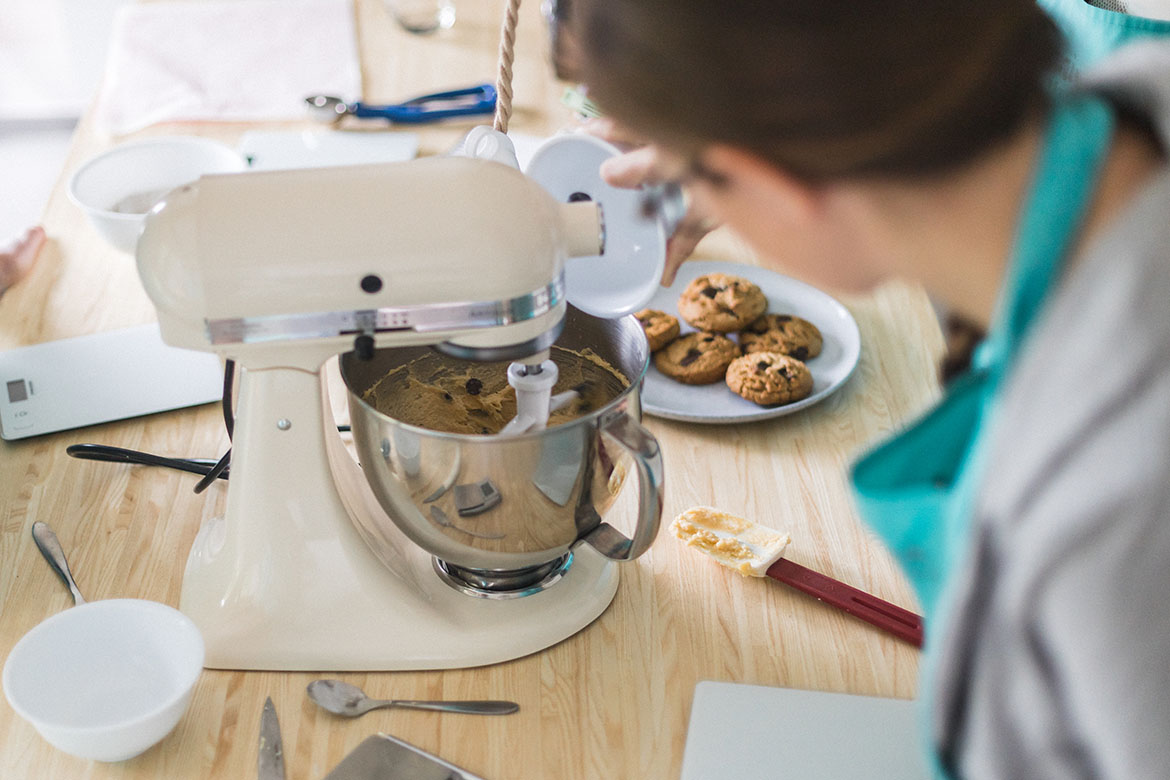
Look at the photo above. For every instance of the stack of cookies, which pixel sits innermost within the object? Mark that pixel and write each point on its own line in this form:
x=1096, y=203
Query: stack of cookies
x=765, y=361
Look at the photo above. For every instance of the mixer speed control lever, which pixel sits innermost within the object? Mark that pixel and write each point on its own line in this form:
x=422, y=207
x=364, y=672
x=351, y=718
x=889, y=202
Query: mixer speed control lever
x=363, y=343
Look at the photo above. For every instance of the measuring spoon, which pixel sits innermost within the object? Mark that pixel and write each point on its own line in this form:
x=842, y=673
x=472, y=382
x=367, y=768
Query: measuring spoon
x=341, y=698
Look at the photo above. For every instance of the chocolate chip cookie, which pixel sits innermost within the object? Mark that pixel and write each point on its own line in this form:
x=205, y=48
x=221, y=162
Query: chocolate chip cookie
x=769, y=378
x=697, y=358
x=783, y=333
x=721, y=303
x=660, y=328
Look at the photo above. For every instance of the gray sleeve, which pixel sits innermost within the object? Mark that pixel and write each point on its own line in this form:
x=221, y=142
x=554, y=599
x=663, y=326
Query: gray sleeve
x=1100, y=608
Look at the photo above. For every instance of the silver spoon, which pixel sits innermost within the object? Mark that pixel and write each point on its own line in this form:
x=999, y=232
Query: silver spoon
x=47, y=543
x=341, y=698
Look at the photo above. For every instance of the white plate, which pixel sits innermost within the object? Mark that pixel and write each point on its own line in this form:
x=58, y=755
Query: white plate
x=716, y=403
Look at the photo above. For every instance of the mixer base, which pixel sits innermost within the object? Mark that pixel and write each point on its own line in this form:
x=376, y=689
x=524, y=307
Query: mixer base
x=512, y=584
x=285, y=581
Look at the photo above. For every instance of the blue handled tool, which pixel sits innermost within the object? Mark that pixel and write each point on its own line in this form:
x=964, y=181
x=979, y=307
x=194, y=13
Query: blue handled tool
x=470, y=101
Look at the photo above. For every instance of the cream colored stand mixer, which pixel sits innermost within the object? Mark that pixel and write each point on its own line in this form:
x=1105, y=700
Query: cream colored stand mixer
x=439, y=550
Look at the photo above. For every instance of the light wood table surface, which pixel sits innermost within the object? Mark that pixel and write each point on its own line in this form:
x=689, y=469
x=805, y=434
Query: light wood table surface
x=610, y=702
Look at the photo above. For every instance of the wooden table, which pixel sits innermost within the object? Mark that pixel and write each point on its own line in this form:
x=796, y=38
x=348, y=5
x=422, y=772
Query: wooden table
x=610, y=702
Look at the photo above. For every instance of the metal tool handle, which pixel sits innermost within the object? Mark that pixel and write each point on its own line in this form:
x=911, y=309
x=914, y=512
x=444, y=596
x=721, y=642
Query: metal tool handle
x=902, y=623
x=647, y=455
x=486, y=707
x=50, y=548
x=471, y=101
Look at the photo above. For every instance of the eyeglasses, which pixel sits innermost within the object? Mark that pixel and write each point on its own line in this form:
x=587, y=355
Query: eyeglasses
x=556, y=13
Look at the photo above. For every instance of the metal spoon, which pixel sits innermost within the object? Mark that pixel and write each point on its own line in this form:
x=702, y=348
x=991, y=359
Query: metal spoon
x=341, y=698
x=47, y=543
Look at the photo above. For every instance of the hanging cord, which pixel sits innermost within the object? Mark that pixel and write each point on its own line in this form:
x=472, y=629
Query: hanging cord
x=110, y=454
x=209, y=469
x=504, y=76
x=229, y=422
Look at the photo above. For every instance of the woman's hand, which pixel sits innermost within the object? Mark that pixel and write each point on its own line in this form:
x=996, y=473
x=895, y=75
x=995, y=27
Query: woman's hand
x=645, y=164
x=18, y=257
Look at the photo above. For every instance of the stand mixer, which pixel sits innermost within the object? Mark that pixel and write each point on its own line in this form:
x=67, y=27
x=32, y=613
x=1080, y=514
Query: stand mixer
x=322, y=564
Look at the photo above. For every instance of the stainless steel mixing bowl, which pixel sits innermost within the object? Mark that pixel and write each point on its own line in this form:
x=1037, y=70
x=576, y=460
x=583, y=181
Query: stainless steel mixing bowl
x=498, y=511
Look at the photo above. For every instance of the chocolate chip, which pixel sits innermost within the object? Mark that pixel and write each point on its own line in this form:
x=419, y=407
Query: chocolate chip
x=800, y=353
x=762, y=365
x=691, y=356
x=783, y=318
x=707, y=339
x=473, y=386
x=483, y=430
x=784, y=373
x=709, y=291
x=447, y=397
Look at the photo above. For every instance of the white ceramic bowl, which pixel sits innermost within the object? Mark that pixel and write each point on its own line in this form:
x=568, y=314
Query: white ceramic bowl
x=117, y=188
x=107, y=679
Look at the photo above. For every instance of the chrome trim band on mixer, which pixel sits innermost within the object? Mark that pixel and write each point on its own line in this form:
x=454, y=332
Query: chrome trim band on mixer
x=421, y=318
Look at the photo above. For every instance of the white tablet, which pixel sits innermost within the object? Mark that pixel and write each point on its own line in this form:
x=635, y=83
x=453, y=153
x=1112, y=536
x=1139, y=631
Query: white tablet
x=99, y=378
x=753, y=731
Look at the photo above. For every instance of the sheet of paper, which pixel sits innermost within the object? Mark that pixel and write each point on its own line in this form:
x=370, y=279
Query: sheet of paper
x=226, y=61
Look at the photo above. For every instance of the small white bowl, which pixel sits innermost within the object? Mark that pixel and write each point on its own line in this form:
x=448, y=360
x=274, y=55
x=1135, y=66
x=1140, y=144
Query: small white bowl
x=108, y=679
x=117, y=188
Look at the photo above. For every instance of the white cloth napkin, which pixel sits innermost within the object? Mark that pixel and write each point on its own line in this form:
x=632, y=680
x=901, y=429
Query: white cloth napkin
x=226, y=60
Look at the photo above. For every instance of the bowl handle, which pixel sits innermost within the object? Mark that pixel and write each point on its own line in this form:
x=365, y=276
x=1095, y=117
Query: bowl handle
x=647, y=455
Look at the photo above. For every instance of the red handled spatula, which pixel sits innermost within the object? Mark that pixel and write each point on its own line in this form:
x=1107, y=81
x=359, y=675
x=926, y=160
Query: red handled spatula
x=902, y=623
x=757, y=551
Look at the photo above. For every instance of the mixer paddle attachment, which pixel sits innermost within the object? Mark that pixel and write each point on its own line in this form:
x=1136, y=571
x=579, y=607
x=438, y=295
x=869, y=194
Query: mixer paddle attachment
x=533, y=383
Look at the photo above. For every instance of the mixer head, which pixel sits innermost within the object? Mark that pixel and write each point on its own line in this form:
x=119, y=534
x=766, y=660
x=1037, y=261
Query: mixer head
x=292, y=267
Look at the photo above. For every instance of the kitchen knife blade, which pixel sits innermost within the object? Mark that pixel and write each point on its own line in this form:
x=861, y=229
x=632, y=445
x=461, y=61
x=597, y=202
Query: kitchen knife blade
x=383, y=757
x=270, y=764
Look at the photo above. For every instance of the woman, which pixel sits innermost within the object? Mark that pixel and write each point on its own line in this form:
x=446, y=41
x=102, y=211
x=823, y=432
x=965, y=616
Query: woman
x=1093, y=29
x=854, y=142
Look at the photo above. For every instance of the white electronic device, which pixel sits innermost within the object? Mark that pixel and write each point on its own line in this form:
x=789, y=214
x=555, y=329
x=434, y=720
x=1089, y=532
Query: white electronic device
x=86, y=380
x=755, y=731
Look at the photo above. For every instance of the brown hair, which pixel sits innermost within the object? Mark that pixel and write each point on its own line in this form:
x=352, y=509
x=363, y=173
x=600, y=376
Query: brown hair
x=823, y=89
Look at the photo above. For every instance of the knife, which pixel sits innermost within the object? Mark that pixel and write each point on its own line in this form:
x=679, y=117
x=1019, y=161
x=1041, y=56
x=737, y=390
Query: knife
x=383, y=757
x=270, y=765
